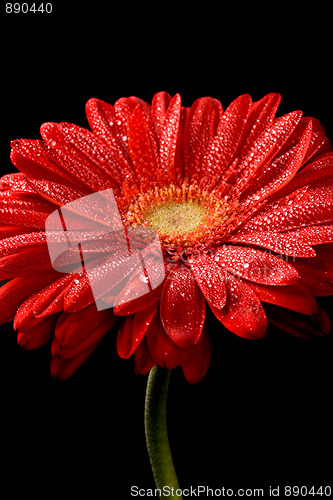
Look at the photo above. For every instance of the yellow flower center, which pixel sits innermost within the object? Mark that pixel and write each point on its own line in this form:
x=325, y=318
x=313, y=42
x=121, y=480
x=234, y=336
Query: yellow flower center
x=173, y=216
x=185, y=217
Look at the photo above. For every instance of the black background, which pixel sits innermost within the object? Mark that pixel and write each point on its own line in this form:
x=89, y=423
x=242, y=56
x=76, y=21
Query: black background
x=262, y=415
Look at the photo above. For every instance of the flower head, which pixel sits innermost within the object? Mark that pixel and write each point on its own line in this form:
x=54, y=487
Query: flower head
x=242, y=205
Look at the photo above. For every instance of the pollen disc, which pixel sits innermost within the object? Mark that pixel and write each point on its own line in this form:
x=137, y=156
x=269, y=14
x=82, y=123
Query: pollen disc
x=173, y=216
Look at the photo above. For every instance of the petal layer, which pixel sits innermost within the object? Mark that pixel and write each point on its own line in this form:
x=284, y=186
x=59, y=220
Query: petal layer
x=182, y=307
x=243, y=313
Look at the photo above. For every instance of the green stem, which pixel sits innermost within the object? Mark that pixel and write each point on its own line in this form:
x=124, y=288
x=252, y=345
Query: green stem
x=157, y=434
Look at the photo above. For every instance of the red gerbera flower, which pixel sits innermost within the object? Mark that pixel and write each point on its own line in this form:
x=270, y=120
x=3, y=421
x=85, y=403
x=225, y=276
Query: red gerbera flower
x=241, y=201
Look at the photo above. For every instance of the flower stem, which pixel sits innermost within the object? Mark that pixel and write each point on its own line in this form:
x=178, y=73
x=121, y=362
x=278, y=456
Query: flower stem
x=157, y=434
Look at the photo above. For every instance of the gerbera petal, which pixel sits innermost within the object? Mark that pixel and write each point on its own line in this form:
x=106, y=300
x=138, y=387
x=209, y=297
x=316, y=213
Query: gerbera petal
x=267, y=145
x=159, y=106
x=197, y=362
x=28, y=262
x=28, y=201
x=261, y=116
x=72, y=148
x=37, y=335
x=133, y=329
x=222, y=149
x=200, y=128
x=76, y=331
x=295, y=297
x=50, y=299
x=18, y=243
x=134, y=296
x=161, y=348
x=78, y=294
x=63, y=368
x=243, y=313
x=131, y=299
x=284, y=243
x=317, y=325
x=10, y=230
x=324, y=252
x=182, y=307
x=15, y=183
x=210, y=278
x=278, y=174
x=317, y=276
x=256, y=265
x=68, y=357
x=314, y=235
x=143, y=148
x=15, y=292
x=124, y=108
x=168, y=140
x=314, y=206
x=34, y=159
x=108, y=275
x=136, y=305
x=22, y=213
x=24, y=217
x=317, y=137
x=46, y=301
x=316, y=173
x=143, y=361
x=104, y=121
x=56, y=192
x=24, y=317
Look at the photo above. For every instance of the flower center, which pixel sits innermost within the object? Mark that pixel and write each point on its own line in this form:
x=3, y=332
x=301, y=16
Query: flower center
x=186, y=217
x=173, y=216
